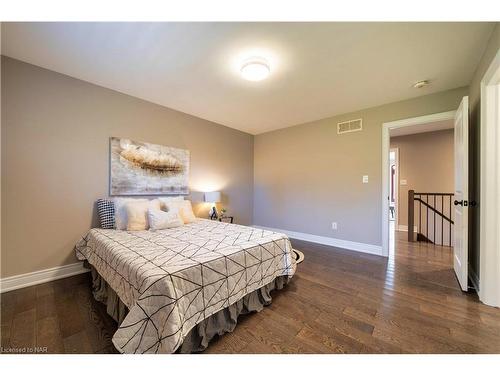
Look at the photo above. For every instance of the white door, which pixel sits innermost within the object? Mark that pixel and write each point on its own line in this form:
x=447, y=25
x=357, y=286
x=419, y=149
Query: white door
x=461, y=203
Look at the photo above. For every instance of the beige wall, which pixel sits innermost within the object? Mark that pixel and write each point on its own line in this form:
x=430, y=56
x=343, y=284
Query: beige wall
x=426, y=163
x=307, y=176
x=474, y=144
x=55, y=145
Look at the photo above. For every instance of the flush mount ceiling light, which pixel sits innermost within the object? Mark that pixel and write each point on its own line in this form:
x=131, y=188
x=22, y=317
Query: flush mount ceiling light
x=255, y=69
x=420, y=84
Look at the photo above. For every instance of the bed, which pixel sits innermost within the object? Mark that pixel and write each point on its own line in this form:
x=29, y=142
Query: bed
x=176, y=288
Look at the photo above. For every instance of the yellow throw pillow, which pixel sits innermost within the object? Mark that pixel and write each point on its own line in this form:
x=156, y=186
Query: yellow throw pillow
x=187, y=213
x=121, y=210
x=185, y=210
x=137, y=214
x=165, y=200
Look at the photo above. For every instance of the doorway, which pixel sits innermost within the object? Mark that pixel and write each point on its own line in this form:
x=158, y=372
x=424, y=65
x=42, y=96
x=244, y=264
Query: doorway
x=394, y=127
x=460, y=189
x=425, y=191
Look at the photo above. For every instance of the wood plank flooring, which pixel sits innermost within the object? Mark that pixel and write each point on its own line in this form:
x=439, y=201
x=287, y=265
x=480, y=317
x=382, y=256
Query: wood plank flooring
x=338, y=302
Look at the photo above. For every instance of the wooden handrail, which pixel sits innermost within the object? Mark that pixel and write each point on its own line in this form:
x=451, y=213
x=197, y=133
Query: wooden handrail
x=447, y=194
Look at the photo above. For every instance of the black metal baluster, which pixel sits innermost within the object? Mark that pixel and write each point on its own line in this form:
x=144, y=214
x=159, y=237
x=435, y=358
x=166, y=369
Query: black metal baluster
x=434, y=220
x=427, y=211
x=419, y=214
x=442, y=221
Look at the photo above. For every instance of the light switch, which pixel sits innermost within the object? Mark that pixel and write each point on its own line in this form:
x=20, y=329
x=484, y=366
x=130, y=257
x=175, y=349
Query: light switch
x=365, y=179
x=403, y=182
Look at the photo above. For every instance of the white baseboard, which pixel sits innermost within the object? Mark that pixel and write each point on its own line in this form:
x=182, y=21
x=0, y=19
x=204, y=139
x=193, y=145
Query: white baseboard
x=349, y=245
x=39, y=277
x=404, y=228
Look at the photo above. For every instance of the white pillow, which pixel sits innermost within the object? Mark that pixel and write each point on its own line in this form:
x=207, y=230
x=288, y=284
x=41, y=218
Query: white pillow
x=137, y=214
x=165, y=200
x=121, y=211
x=159, y=219
x=184, y=208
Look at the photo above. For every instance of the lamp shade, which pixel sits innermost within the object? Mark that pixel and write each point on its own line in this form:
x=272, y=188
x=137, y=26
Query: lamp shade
x=212, y=197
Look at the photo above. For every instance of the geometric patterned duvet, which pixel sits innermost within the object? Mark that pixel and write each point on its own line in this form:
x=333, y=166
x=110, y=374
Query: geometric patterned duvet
x=173, y=279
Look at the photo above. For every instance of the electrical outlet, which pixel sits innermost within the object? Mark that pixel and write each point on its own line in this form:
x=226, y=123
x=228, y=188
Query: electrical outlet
x=334, y=225
x=365, y=179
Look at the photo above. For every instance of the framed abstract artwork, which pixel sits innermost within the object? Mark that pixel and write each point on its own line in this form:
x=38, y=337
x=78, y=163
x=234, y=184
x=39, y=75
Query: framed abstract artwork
x=140, y=168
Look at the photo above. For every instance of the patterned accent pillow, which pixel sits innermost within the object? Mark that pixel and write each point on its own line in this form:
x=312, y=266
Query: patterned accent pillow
x=106, y=213
x=159, y=219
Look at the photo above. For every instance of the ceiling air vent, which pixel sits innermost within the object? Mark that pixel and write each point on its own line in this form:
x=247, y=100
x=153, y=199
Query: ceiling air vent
x=350, y=126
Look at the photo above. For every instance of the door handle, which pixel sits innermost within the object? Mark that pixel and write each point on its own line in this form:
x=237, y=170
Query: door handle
x=461, y=203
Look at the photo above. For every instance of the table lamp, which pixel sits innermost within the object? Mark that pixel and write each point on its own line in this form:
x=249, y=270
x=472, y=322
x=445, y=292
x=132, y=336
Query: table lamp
x=213, y=197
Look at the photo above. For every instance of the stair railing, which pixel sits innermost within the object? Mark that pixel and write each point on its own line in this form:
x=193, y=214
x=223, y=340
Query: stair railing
x=434, y=223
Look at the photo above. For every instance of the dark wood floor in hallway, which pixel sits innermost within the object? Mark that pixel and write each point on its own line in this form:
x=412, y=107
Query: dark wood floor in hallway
x=339, y=302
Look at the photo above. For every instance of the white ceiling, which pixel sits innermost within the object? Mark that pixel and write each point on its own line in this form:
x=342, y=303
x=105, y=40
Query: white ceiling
x=318, y=69
x=422, y=128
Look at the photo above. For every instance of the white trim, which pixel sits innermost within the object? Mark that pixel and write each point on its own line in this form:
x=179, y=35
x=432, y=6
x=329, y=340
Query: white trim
x=396, y=185
x=489, y=237
x=344, y=244
x=386, y=127
x=404, y=228
x=39, y=277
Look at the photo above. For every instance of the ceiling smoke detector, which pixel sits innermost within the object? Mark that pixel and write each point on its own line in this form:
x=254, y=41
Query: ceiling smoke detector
x=420, y=84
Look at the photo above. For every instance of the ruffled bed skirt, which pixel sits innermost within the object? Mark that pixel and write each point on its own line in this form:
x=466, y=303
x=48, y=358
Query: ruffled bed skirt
x=217, y=324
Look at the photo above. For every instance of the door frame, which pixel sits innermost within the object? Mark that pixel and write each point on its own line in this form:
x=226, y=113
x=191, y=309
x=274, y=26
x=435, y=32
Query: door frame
x=386, y=127
x=396, y=187
x=489, y=216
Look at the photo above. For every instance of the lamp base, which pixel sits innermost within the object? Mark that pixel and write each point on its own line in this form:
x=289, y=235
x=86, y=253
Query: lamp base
x=213, y=213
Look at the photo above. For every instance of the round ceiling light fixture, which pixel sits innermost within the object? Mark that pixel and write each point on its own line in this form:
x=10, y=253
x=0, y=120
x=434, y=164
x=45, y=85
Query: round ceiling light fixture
x=255, y=69
x=420, y=84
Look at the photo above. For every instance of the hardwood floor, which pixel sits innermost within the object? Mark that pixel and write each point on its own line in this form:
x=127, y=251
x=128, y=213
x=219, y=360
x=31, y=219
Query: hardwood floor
x=338, y=302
